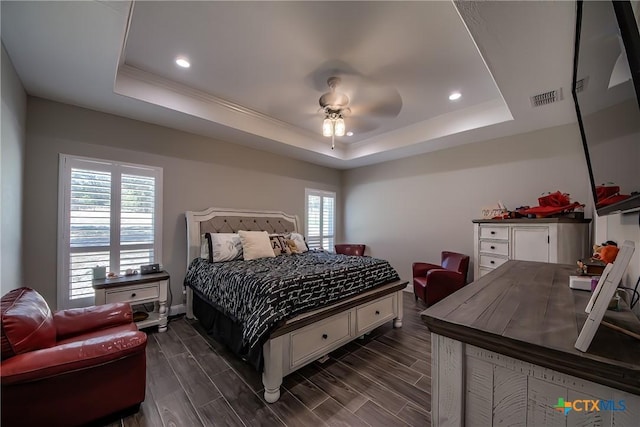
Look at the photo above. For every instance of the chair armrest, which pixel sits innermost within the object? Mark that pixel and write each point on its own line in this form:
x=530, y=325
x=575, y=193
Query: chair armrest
x=80, y=320
x=73, y=356
x=448, y=278
x=420, y=269
x=442, y=283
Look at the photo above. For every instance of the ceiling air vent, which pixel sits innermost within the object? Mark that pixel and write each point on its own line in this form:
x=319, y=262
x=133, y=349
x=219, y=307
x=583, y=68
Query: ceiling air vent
x=581, y=84
x=546, y=98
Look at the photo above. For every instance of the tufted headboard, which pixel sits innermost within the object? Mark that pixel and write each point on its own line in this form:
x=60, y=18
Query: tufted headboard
x=220, y=220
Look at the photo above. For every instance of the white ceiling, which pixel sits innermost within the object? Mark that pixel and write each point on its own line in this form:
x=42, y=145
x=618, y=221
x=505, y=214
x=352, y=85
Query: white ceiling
x=258, y=69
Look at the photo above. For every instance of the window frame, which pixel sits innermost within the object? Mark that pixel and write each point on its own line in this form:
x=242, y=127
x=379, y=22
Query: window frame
x=67, y=162
x=321, y=193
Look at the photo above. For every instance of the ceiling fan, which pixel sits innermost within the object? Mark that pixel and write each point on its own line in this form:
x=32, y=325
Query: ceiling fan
x=365, y=101
x=334, y=106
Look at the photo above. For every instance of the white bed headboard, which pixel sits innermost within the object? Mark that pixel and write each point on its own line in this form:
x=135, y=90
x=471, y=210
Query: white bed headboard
x=221, y=220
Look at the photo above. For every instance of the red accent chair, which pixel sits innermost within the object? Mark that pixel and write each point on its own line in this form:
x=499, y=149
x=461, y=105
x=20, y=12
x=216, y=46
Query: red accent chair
x=349, y=249
x=70, y=367
x=431, y=282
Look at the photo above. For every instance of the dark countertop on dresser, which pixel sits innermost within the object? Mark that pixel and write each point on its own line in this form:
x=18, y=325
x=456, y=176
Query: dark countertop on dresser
x=526, y=310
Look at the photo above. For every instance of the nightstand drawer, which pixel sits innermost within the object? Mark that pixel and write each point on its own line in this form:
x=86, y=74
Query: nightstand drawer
x=492, y=232
x=490, y=261
x=495, y=248
x=134, y=293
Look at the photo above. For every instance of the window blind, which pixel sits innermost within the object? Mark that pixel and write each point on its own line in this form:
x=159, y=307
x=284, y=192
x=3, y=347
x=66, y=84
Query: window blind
x=110, y=215
x=320, y=219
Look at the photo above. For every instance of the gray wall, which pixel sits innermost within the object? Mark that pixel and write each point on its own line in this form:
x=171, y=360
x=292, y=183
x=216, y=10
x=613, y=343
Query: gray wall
x=12, y=147
x=411, y=209
x=199, y=172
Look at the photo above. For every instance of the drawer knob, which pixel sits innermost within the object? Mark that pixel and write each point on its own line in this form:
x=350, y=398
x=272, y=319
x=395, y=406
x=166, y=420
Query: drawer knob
x=493, y=247
x=493, y=232
x=325, y=336
x=492, y=262
x=377, y=312
x=133, y=295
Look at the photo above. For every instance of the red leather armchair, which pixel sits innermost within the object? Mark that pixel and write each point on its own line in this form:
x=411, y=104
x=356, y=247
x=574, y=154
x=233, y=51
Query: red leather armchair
x=70, y=367
x=431, y=282
x=349, y=249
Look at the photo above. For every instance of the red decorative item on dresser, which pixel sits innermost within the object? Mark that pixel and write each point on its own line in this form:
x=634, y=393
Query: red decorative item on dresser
x=70, y=367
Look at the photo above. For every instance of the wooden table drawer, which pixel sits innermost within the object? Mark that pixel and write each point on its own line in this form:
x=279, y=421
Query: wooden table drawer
x=375, y=313
x=314, y=340
x=494, y=232
x=131, y=294
x=490, y=261
x=497, y=248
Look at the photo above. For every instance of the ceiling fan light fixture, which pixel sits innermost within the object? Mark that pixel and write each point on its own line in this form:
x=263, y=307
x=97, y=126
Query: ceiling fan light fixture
x=339, y=127
x=327, y=127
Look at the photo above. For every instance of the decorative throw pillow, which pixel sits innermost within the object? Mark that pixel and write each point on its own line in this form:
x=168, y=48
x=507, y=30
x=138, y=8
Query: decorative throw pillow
x=279, y=244
x=256, y=244
x=300, y=243
x=225, y=247
x=292, y=246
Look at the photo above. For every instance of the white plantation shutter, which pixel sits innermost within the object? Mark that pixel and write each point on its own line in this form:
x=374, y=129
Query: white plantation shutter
x=320, y=219
x=89, y=227
x=136, y=221
x=110, y=217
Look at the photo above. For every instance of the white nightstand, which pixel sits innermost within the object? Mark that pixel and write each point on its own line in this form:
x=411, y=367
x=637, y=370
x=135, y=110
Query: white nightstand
x=137, y=289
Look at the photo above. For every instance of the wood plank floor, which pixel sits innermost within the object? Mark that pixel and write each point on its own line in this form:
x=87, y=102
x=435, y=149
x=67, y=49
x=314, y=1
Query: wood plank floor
x=383, y=379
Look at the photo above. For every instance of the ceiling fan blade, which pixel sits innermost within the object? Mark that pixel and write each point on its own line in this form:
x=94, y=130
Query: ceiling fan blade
x=371, y=98
x=332, y=68
x=360, y=125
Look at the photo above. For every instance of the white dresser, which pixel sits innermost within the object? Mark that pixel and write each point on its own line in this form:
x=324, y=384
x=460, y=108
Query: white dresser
x=555, y=240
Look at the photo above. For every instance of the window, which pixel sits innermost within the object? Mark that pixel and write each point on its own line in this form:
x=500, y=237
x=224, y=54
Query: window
x=320, y=219
x=109, y=216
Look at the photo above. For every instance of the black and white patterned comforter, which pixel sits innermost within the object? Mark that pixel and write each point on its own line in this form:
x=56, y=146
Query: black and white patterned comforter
x=259, y=294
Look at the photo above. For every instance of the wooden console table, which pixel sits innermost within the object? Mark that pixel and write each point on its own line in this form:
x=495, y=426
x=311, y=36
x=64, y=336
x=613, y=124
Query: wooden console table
x=503, y=353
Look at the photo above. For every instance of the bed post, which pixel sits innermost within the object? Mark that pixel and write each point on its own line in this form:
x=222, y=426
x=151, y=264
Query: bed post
x=397, y=322
x=193, y=236
x=190, y=303
x=272, y=372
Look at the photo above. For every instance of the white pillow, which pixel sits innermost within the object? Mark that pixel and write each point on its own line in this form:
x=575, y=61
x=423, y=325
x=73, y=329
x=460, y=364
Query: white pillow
x=256, y=244
x=225, y=247
x=299, y=240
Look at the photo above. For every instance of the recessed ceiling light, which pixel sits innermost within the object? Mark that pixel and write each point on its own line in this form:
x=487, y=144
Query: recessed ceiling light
x=182, y=62
x=349, y=133
x=454, y=96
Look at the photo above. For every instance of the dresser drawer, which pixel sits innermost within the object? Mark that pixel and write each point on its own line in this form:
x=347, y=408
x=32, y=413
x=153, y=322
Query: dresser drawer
x=482, y=271
x=314, y=341
x=494, y=232
x=496, y=248
x=375, y=313
x=133, y=293
x=490, y=261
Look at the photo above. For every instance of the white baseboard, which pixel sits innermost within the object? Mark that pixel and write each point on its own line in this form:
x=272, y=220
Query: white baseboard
x=174, y=310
